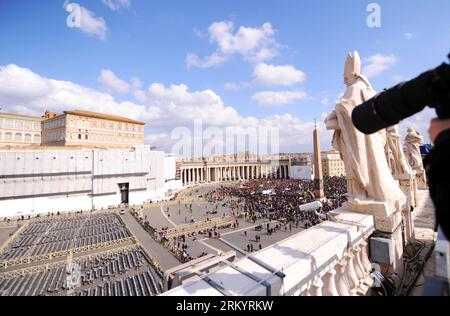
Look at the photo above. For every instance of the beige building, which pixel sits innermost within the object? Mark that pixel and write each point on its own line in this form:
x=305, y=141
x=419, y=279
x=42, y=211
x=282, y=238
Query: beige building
x=19, y=130
x=332, y=164
x=90, y=129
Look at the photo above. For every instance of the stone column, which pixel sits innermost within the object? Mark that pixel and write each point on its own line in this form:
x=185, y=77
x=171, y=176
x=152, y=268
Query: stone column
x=365, y=256
x=357, y=264
x=351, y=274
x=329, y=288
x=316, y=287
x=342, y=284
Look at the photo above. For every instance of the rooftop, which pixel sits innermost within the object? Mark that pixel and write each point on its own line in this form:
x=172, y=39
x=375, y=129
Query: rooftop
x=20, y=115
x=104, y=116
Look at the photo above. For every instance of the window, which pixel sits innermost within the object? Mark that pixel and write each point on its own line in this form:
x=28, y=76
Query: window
x=28, y=125
x=9, y=123
x=79, y=136
x=37, y=138
x=28, y=137
x=86, y=136
x=18, y=137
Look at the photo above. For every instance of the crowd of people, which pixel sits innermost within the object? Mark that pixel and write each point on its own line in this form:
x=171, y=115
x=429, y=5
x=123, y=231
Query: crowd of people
x=280, y=199
x=260, y=199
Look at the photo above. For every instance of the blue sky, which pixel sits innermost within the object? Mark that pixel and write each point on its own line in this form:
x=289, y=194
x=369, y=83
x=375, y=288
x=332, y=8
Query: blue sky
x=129, y=41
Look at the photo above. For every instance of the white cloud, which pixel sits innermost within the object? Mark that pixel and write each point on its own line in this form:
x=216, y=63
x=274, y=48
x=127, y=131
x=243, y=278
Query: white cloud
x=179, y=106
x=89, y=23
x=162, y=108
x=192, y=60
x=278, y=98
x=157, y=140
x=325, y=101
x=112, y=83
x=20, y=89
x=408, y=35
x=252, y=44
x=136, y=83
x=116, y=5
x=377, y=64
x=270, y=75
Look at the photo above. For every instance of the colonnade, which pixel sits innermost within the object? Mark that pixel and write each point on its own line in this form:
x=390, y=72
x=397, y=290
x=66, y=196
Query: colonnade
x=222, y=173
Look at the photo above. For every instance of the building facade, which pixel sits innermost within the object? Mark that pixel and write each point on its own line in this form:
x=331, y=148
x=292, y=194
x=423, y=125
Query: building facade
x=232, y=168
x=67, y=179
x=19, y=130
x=332, y=164
x=91, y=129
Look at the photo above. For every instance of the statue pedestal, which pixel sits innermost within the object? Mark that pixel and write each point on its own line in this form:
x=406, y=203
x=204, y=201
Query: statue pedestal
x=408, y=186
x=387, y=215
x=421, y=179
x=387, y=219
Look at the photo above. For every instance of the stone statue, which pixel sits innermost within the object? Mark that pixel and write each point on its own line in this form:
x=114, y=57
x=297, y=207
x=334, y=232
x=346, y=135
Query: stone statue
x=397, y=161
x=369, y=179
x=413, y=141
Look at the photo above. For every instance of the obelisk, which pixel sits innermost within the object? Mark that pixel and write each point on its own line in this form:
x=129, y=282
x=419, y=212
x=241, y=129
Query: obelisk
x=318, y=176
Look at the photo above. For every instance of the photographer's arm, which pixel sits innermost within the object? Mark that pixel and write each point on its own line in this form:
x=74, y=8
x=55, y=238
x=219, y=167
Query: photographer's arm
x=437, y=165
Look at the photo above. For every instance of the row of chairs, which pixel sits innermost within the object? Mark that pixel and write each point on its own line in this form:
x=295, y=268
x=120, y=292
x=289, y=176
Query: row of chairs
x=67, y=223
x=41, y=238
x=33, y=284
x=111, y=266
x=54, y=236
x=142, y=284
x=126, y=273
x=51, y=247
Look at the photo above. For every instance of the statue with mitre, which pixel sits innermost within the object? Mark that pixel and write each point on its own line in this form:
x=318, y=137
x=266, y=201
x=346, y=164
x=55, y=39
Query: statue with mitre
x=369, y=178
